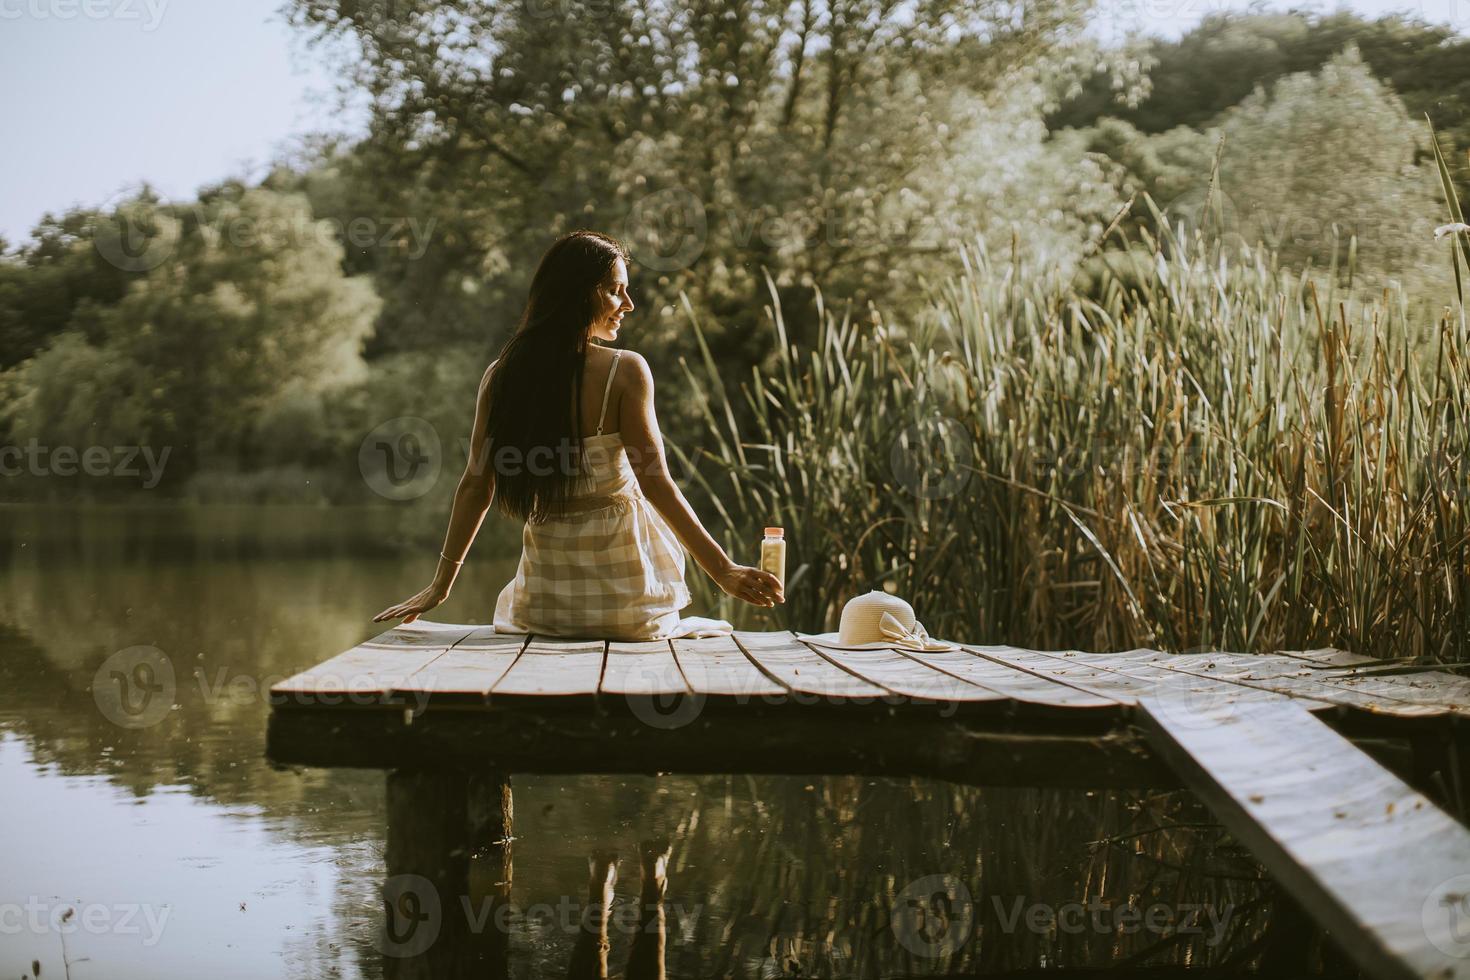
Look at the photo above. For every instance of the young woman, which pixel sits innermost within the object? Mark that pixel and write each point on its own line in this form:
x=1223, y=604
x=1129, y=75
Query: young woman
x=606, y=526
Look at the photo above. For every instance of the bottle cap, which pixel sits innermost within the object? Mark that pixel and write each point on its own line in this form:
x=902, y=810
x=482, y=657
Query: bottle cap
x=775, y=532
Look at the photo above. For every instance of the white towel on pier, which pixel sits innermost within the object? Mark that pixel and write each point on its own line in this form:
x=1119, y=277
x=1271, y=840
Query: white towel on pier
x=695, y=626
x=689, y=627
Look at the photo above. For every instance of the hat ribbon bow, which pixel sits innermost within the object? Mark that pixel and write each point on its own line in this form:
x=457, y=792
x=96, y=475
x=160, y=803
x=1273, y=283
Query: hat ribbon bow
x=914, y=636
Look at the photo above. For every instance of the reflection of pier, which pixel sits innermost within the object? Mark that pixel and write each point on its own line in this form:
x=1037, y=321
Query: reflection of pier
x=444, y=707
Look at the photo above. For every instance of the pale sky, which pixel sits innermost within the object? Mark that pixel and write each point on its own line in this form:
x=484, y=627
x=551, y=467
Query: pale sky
x=100, y=95
x=1170, y=18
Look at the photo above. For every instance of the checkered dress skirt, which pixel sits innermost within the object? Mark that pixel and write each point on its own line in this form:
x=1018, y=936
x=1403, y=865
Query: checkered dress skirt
x=611, y=569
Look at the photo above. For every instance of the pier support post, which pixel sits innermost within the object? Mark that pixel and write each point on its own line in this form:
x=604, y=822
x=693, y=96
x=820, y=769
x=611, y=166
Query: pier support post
x=448, y=875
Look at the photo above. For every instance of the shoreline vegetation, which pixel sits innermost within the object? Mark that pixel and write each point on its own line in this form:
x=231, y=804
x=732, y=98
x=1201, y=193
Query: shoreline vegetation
x=1208, y=453
x=998, y=380
x=1205, y=452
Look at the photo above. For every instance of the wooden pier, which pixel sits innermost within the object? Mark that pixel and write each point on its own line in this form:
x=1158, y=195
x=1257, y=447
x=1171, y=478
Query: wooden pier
x=1288, y=749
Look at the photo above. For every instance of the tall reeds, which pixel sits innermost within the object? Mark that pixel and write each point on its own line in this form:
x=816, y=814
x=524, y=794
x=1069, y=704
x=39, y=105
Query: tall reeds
x=1190, y=448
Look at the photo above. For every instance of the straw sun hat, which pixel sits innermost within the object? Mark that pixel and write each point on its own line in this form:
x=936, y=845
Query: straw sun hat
x=875, y=620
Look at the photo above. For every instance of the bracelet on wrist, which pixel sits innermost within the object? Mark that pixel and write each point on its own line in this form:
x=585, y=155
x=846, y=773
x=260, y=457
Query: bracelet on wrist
x=451, y=561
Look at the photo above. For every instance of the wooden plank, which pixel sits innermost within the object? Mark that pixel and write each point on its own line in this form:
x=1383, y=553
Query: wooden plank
x=1429, y=688
x=1139, y=679
x=913, y=678
x=642, y=668
x=468, y=671
x=792, y=663
x=1018, y=685
x=716, y=666
x=1330, y=657
x=1258, y=664
x=549, y=667
x=1374, y=695
x=370, y=671
x=1317, y=686
x=1376, y=863
x=1085, y=676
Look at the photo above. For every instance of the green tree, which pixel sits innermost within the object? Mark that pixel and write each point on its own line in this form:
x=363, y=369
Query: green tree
x=719, y=139
x=244, y=301
x=1328, y=156
x=1227, y=56
x=1218, y=64
x=58, y=272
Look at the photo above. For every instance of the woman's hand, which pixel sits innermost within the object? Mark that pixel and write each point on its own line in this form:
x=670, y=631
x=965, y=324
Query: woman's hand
x=411, y=609
x=757, y=587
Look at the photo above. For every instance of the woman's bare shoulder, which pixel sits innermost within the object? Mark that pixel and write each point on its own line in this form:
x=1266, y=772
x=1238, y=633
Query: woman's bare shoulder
x=485, y=378
x=637, y=374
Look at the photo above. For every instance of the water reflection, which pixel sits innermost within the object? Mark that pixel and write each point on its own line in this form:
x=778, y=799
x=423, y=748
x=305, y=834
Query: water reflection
x=260, y=872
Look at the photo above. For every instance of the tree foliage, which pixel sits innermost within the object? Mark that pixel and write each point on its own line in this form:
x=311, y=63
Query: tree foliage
x=717, y=138
x=244, y=303
x=1228, y=56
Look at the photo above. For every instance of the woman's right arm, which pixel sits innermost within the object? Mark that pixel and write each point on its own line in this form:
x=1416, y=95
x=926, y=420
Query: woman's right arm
x=472, y=499
x=639, y=426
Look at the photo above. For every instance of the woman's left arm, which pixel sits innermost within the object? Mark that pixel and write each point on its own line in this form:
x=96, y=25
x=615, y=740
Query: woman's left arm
x=472, y=499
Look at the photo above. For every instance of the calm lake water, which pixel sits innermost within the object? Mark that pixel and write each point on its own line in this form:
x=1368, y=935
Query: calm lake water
x=175, y=851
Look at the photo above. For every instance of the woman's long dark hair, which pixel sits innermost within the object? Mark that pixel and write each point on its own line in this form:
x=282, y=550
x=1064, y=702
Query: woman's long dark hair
x=536, y=388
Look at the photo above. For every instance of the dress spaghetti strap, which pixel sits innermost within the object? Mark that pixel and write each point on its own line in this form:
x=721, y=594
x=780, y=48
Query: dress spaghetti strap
x=607, y=390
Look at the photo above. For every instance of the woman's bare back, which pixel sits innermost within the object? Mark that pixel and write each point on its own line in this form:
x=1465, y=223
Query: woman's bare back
x=594, y=378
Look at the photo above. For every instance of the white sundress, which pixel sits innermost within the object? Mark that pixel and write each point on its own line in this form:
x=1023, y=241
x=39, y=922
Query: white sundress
x=613, y=569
